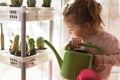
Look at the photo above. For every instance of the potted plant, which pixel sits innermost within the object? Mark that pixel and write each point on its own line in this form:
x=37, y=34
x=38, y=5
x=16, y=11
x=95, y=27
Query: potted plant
x=3, y=4
x=31, y=46
x=46, y=3
x=14, y=45
x=16, y=3
x=31, y=3
x=40, y=44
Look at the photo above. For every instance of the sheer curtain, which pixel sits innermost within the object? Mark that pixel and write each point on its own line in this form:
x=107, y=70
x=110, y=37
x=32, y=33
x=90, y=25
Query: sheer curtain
x=111, y=16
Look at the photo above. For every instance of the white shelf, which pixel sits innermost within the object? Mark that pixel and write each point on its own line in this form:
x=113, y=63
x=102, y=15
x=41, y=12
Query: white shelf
x=24, y=14
x=32, y=13
x=39, y=58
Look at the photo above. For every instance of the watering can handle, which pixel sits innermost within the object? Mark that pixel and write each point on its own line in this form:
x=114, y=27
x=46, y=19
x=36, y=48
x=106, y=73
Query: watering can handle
x=92, y=46
x=87, y=45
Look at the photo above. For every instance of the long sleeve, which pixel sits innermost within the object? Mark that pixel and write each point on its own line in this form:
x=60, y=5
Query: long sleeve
x=111, y=51
x=110, y=46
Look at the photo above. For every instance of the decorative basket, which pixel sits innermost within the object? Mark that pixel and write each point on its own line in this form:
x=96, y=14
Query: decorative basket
x=30, y=61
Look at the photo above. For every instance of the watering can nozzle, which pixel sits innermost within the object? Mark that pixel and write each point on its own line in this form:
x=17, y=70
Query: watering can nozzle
x=59, y=59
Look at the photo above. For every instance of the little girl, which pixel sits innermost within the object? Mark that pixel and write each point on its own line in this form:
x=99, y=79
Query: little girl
x=83, y=22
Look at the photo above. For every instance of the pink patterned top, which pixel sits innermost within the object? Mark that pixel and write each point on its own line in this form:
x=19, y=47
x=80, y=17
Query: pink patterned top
x=111, y=51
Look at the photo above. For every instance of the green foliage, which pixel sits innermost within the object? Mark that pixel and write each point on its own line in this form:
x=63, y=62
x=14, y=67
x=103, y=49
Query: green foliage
x=15, y=44
x=31, y=3
x=40, y=43
x=31, y=44
x=16, y=3
x=46, y=3
x=3, y=4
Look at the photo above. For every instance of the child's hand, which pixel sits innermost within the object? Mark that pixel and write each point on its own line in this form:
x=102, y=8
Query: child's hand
x=99, y=62
x=76, y=42
x=99, y=59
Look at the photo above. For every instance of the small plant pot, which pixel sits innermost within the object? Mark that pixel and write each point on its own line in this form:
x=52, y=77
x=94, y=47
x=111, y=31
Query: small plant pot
x=32, y=52
x=41, y=50
x=17, y=53
x=12, y=52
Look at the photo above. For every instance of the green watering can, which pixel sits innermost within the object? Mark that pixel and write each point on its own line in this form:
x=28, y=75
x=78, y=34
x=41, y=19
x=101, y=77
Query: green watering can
x=74, y=61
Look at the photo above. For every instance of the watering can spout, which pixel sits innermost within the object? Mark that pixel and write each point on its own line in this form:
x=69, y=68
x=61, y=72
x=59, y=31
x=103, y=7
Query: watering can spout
x=59, y=59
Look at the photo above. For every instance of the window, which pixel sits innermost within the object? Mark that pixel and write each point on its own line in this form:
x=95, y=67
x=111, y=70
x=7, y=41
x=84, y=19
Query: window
x=47, y=71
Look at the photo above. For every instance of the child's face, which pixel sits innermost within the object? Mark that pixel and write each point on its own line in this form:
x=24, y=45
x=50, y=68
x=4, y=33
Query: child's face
x=72, y=29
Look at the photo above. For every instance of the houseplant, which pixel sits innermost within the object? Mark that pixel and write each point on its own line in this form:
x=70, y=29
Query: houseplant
x=46, y=3
x=31, y=3
x=16, y=3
